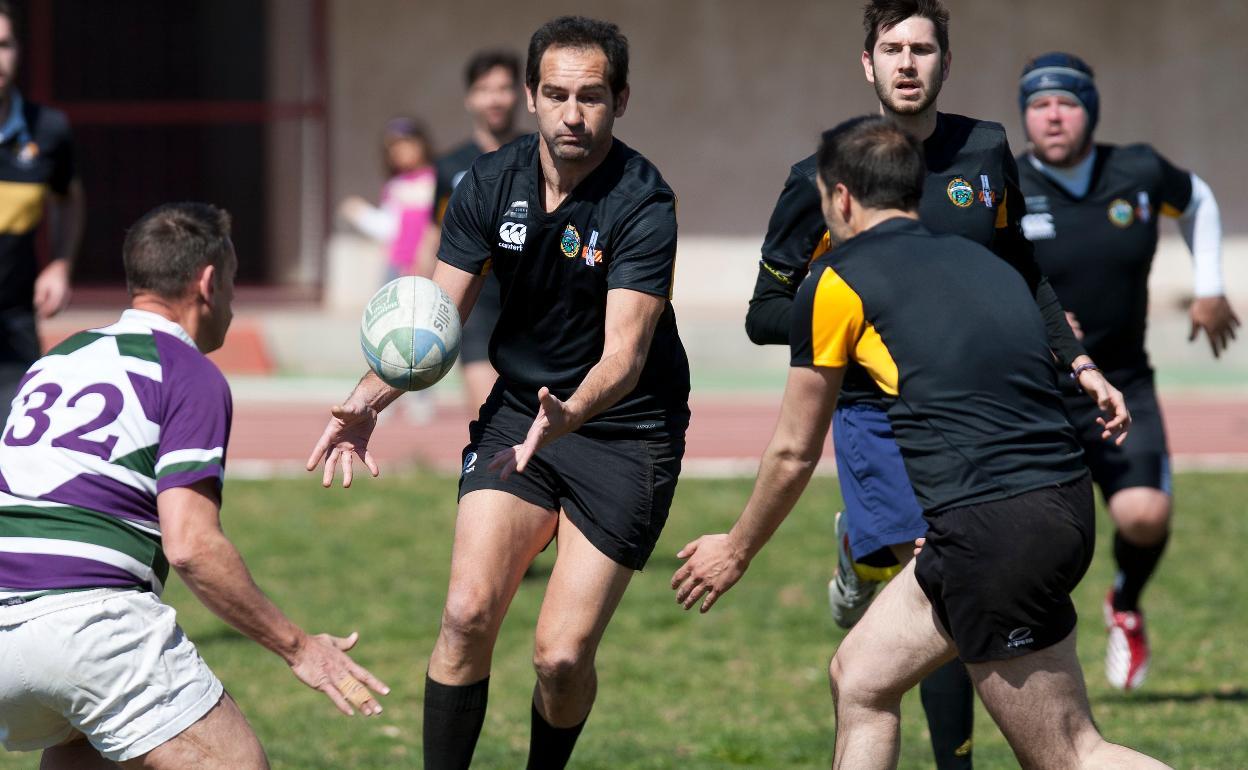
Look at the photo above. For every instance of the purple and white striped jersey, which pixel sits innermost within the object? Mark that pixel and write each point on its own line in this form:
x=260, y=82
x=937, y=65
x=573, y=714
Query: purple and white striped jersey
x=100, y=425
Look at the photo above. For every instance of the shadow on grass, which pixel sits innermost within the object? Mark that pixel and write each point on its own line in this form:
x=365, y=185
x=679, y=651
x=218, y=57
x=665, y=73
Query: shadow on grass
x=1237, y=695
x=219, y=635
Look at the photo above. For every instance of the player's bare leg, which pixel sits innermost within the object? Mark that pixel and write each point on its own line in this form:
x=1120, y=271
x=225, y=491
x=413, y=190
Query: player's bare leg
x=584, y=590
x=1040, y=703
x=75, y=754
x=497, y=536
x=1141, y=514
x=220, y=740
x=897, y=643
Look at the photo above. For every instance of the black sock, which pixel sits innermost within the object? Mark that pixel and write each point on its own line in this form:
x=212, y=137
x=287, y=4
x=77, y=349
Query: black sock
x=1135, y=566
x=453, y=718
x=949, y=700
x=550, y=746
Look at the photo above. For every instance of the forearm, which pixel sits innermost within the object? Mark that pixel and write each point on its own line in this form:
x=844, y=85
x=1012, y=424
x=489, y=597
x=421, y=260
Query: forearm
x=613, y=377
x=782, y=477
x=1066, y=348
x=769, y=317
x=68, y=216
x=1201, y=227
x=373, y=393
x=218, y=577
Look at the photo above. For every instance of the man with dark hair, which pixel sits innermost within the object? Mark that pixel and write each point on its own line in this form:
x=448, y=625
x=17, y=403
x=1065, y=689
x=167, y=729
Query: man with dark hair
x=37, y=171
x=113, y=460
x=582, y=437
x=995, y=466
x=1092, y=213
x=972, y=190
x=493, y=80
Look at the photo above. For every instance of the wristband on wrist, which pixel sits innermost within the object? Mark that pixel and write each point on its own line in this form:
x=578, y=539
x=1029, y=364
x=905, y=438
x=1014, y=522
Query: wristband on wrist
x=1081, y=368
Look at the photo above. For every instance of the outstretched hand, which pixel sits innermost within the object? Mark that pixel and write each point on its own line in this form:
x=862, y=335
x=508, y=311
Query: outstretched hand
x=1117, y=421
x=322, y=663
x=553, y=420
x=1215, y=316
x=714, y=565
x=345, y=437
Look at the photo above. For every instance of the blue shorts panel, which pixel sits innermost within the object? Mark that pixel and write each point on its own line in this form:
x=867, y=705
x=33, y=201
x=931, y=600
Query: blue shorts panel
x=880, y=507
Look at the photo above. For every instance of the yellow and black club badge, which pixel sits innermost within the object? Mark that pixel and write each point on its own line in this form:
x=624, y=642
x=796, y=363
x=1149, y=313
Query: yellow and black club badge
x=1121, y=212
x=570, y=243
x=961, y=192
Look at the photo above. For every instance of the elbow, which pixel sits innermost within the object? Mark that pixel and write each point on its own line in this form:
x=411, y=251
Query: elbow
x=798, y=461
x=185, y=554
x=755, y=327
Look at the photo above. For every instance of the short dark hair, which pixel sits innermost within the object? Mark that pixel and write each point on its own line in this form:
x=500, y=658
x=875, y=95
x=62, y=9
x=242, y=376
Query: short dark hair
x=484, y=61
x=7, y=10
x=165, y=250
x=880, y=164
x=580, y=32
x=880, y=15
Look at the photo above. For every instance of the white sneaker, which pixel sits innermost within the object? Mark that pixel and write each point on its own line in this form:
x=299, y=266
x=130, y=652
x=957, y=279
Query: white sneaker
x=848, y=594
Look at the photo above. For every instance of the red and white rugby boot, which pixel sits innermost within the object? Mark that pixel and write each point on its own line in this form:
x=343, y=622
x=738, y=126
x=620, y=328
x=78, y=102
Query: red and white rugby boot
x=1127, y=654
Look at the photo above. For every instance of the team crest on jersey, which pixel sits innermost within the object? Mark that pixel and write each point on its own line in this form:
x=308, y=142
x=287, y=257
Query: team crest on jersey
x=1121, y=212
x=961, y=192
x=570, y=243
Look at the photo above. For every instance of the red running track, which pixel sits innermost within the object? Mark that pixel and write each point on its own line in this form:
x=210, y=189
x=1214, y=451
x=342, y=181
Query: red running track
x=727, y=435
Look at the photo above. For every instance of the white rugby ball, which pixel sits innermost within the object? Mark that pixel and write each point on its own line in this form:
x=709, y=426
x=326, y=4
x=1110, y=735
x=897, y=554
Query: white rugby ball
x=410, y=333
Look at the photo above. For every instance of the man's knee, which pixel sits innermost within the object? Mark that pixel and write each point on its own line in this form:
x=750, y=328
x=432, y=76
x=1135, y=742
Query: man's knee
x=466, y=619
x=1142, y=514
x=562, y=665
x=853, y=682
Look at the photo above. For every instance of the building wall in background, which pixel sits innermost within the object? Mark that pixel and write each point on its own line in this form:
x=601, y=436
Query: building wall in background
x=728, y=93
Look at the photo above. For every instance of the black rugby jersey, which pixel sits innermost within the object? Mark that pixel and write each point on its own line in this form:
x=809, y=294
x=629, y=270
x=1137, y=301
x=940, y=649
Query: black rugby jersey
x=1098, y=250
x=450, y=169
x=616, y=230
x=971, y=190
x=974, y=405
x=36, y=157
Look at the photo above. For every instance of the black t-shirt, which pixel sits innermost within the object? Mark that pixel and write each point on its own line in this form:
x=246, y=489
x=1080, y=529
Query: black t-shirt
x=971, y=190
x=1098, y=250
x=616, y=230
x=450, y=169
x=34, y=161
x=973, y=395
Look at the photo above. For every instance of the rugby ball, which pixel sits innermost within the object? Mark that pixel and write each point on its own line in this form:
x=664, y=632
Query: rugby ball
x=410, y=333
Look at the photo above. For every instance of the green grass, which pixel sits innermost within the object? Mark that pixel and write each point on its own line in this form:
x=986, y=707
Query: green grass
x=744, y=686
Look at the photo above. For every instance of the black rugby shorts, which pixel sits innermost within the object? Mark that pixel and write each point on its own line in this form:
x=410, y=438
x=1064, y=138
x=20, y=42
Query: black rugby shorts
x=999, y=574
x=616, y=492
x=1144, y=459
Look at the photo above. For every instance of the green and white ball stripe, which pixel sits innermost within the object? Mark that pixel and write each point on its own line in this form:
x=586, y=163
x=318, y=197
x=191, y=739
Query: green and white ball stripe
x=410, y=333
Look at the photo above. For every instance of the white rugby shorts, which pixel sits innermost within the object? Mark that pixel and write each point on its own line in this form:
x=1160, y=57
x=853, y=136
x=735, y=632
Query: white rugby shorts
x=111, y=664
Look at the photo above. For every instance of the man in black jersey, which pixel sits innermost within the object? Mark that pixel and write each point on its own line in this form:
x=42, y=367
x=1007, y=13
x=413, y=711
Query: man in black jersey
x=581, y=439
x=994, y=463
x=493, y=82
x=971, y=189
x=1093, y=214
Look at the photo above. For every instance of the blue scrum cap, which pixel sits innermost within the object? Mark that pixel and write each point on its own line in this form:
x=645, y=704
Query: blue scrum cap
x=1060, y=73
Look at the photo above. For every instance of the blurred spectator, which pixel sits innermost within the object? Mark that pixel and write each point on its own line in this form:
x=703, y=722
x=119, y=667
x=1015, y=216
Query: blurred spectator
x=404, y=218
x=492, y=79
x=36, y=177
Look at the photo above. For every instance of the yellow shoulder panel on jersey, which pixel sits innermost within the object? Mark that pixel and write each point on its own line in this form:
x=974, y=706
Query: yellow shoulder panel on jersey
x=841, y=332
x=836, y=322
x=821, y=248
x=21, y=206
x=1003, y=212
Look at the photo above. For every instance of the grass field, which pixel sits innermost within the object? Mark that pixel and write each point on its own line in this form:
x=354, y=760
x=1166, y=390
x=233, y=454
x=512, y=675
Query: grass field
x=744, y=686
